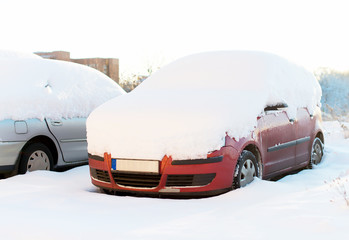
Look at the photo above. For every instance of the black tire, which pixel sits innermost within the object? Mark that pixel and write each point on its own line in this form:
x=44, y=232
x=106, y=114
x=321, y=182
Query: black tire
x=35, y=156
x=317, y=151
x=106, y=191
x=246, y=169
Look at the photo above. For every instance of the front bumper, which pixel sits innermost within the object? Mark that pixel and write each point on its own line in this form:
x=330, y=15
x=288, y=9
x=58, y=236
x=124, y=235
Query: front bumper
x=183, y=178
x=9, y=152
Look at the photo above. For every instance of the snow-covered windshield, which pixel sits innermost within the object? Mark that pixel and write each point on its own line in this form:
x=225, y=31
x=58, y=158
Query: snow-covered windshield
x=186, y=108
x=32, y=87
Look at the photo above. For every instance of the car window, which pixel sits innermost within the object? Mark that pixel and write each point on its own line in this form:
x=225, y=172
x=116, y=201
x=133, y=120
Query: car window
x=276, y=107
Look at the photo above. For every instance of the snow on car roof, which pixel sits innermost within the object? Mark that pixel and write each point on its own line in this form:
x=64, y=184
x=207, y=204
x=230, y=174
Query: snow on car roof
x=37, y=88
x=9, y=54
x=187, y=107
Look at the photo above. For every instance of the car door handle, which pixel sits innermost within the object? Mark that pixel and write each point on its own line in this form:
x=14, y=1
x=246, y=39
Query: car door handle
x=56, y=123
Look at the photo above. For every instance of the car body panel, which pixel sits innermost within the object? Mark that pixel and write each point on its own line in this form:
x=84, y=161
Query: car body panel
x=71, y=135
x=35, y=127
x=14, y=135
x=305, y=131
x=280, y=134
x=9, y=152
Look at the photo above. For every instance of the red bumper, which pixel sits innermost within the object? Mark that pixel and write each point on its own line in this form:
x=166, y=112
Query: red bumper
x=189, y=178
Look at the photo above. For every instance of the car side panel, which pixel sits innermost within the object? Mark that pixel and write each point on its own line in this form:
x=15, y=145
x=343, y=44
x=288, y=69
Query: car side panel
x=9, y=152
x=71, y=135
x=15, y=134
x=305, y=128
x=263, y=143
x=278, y=142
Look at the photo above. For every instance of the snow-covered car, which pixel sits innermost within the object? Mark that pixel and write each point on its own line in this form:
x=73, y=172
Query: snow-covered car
x=44, y=106
x=206, y=124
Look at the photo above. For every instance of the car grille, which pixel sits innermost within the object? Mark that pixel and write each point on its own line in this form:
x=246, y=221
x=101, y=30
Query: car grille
x=189, y=180
x=137, y=180
x=100, y=175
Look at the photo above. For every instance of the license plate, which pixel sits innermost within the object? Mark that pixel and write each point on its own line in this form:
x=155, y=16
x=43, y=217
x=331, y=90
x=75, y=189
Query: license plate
x=131, y=165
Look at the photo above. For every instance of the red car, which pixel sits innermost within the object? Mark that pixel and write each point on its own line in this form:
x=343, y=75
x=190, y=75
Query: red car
x=277, y=144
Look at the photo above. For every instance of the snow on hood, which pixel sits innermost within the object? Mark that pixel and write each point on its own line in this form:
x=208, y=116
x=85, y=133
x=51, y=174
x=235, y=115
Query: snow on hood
x=187, y=107
x=39, y=88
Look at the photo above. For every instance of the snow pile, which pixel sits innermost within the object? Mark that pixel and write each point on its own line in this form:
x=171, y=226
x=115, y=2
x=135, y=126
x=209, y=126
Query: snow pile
x=186, y=108
x=39, y=88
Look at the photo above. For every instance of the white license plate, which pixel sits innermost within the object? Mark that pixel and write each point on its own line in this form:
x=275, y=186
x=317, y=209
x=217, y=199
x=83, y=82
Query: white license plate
x=130, y=165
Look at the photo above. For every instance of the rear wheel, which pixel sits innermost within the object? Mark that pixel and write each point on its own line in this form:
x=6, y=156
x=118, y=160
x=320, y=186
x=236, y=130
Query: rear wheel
x=35, y=156
x=246, y=169
x=316, y=153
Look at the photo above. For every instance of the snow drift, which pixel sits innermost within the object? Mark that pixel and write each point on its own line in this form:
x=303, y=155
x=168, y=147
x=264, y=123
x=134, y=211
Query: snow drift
x=187, y=107
x=32, y=87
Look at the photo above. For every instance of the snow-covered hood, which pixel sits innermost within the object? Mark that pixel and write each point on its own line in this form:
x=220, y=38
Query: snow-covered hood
x=187, y=107
x=156, y=125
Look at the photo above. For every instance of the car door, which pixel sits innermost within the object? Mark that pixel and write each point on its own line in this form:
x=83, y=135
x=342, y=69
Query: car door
x=71, y=135
x=305, y=125
x=279, y=137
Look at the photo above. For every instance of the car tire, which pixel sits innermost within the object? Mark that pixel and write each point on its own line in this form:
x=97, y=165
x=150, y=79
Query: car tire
x=106, y=191
x=246, y=169
x=35, y=156
x=317, y=151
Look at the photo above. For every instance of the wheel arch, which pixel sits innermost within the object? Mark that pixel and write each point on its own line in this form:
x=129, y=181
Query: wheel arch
x=256, y=152
x=320, y=135
x=48, y=142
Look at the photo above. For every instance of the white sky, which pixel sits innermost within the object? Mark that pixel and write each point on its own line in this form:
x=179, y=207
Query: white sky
x=311, y=33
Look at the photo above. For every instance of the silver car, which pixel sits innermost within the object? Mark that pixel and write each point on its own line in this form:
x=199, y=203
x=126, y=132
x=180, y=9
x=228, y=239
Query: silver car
x=41, y=145
x=43, y=108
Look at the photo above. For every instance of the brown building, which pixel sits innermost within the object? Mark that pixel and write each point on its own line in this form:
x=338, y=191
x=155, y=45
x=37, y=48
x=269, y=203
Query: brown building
x=108, y=66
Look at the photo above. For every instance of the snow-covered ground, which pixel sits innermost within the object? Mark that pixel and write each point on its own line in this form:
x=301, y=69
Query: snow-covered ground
x=311, y=204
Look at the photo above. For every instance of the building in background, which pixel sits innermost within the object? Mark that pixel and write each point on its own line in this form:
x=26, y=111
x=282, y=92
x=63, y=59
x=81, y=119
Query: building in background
x=108, y=66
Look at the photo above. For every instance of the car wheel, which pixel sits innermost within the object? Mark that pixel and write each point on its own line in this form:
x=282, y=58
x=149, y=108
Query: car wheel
x=246, y=169
x=35, y=156
x=316, y=153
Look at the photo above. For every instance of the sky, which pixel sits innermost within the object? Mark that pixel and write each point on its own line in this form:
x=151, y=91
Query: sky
x=154, y=32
